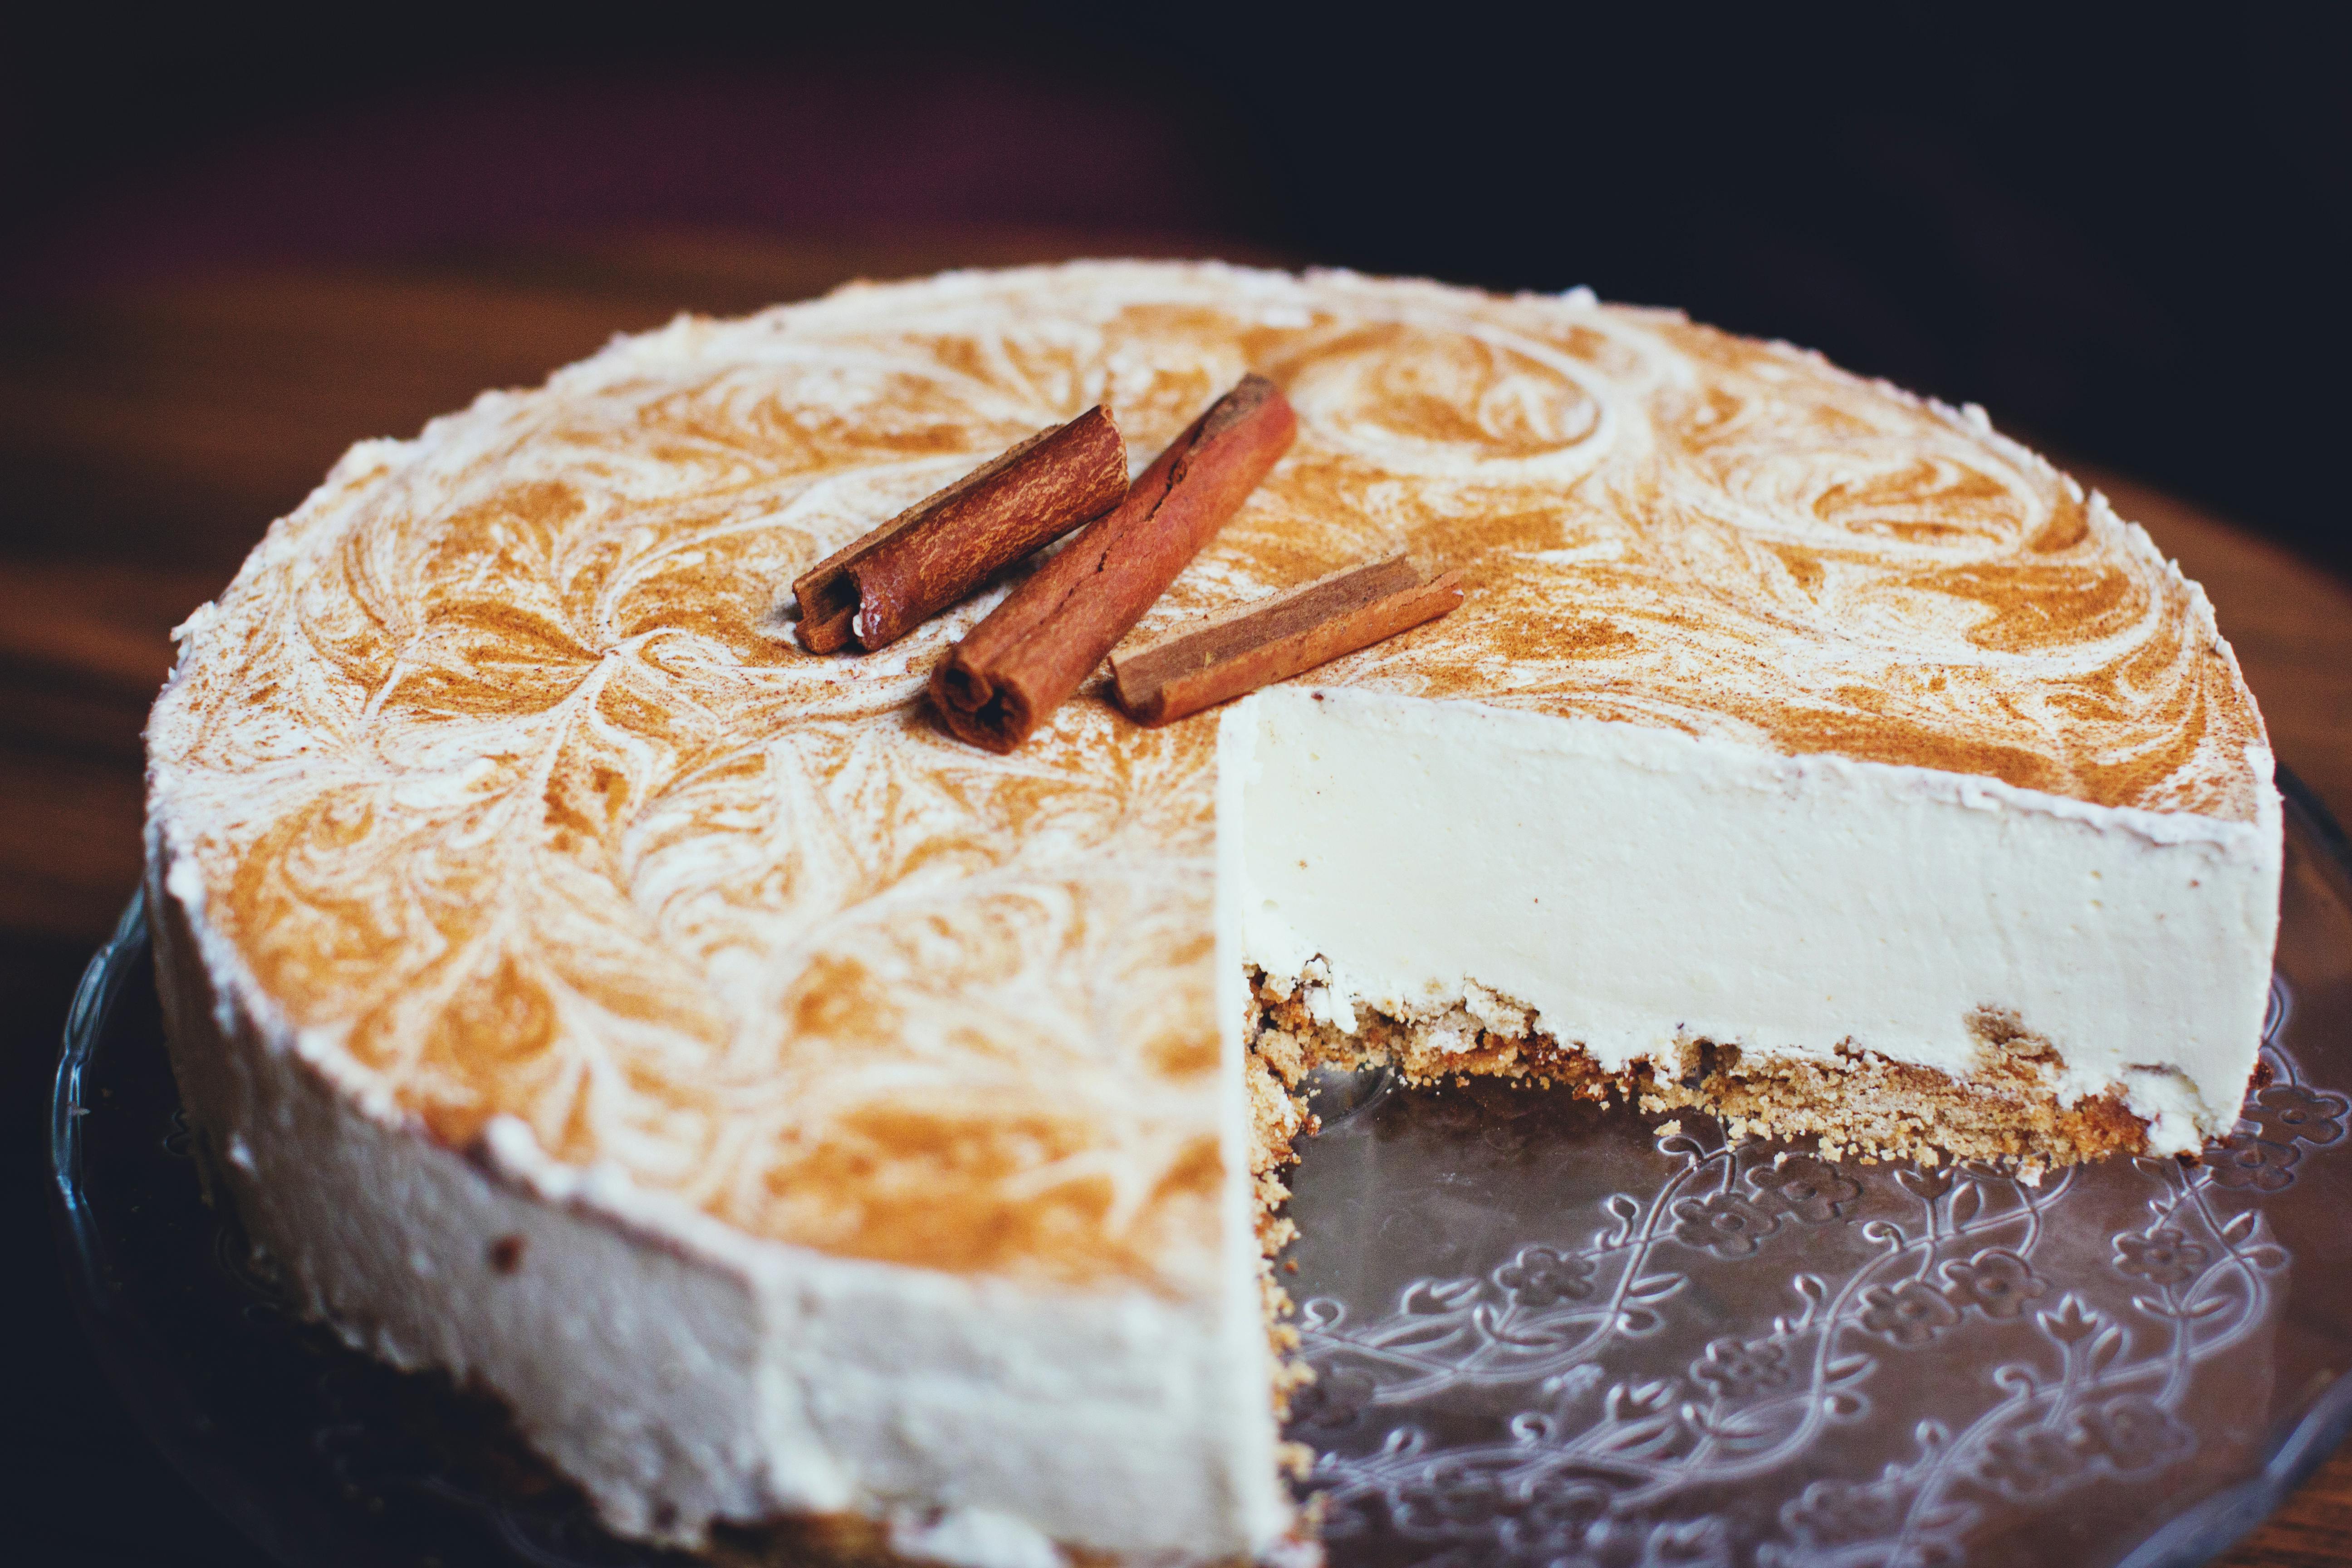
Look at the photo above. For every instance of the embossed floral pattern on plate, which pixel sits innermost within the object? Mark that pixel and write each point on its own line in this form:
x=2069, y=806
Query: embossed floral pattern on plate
x=1576, y=1339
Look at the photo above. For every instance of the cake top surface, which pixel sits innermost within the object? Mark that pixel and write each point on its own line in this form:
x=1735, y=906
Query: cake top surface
x=506, y=780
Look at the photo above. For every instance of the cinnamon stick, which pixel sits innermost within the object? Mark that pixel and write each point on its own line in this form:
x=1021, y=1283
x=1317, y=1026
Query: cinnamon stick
x=1016, y=667
x=883, y=585
x=1276, y=639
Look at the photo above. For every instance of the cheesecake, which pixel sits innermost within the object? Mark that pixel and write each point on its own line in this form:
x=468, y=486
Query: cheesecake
x=792, y=1113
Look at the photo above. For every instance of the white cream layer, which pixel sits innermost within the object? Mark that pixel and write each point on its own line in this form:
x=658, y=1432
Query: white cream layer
x=1643, y=888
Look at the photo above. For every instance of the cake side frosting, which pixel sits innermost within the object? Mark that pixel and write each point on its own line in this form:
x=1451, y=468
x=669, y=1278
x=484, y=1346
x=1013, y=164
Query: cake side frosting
x=508, y=788
x=683, y=1373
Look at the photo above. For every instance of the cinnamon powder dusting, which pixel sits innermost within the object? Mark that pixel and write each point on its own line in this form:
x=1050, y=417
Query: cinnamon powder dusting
x=503, y=773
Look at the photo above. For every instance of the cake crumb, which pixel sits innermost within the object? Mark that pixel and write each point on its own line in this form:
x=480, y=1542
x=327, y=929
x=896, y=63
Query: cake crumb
x=1856, y=1106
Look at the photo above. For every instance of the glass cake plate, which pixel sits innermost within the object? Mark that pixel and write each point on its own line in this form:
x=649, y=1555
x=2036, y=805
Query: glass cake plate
x=1545, y=1333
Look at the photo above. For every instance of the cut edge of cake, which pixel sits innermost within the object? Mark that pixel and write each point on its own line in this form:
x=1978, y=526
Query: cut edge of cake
x=2049, y=980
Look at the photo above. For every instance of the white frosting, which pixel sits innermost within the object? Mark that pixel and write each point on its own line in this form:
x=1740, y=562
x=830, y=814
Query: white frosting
x=973, y=1538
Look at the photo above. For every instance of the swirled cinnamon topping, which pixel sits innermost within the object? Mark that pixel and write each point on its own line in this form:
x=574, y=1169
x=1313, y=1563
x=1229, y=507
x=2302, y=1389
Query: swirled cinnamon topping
x=502, y=776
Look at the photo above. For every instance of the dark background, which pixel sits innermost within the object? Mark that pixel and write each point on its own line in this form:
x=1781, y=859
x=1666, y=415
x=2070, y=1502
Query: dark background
x=2129, y=235
x=2128, y=231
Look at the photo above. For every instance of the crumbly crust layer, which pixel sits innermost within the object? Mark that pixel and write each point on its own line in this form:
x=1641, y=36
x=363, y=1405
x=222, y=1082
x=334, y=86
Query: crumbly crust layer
x=1857, y=1105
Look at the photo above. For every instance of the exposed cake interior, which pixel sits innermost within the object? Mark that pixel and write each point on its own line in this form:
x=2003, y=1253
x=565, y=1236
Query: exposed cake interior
x=1899, y=961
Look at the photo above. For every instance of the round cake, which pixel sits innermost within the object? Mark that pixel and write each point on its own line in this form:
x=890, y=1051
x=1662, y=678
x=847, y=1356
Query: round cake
x=790, y=1111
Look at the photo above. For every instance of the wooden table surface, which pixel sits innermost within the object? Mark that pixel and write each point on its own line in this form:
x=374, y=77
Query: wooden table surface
x=146, y=439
